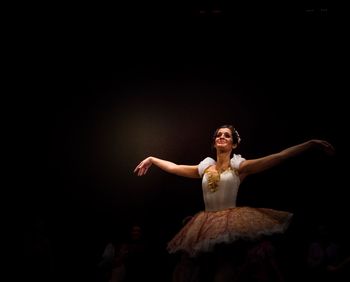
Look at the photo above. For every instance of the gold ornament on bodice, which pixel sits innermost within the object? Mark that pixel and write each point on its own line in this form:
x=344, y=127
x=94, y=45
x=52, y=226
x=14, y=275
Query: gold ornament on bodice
x=214, y=177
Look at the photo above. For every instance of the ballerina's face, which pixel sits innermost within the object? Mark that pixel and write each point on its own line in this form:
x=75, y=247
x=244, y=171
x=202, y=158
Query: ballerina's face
x=223, y=138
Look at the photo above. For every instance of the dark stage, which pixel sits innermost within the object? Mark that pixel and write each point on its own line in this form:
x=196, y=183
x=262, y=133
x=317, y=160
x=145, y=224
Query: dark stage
x=98, y=92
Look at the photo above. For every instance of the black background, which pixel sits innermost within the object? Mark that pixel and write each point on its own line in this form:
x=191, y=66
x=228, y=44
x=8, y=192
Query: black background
x=98, y=89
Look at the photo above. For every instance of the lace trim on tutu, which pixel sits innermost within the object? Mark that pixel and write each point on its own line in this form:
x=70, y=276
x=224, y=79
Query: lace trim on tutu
x=208, y=245
x=208, y=229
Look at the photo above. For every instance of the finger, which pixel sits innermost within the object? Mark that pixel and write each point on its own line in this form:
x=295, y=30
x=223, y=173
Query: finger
x=329, y=146
x=138, y=167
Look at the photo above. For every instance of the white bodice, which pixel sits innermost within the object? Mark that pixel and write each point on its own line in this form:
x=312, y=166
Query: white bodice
x=226, y=193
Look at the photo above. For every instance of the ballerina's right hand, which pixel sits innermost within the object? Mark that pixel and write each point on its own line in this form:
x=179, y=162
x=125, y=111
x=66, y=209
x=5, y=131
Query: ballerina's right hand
x=143, y=167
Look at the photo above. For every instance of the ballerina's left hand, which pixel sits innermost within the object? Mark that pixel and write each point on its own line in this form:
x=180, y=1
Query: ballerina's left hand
x=325, y=146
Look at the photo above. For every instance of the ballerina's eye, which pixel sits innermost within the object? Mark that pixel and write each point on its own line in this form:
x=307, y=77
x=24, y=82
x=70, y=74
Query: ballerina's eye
x=226, y=134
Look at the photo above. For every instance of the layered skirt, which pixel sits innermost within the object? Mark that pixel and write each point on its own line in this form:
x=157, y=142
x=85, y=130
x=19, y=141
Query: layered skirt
x=208, y=229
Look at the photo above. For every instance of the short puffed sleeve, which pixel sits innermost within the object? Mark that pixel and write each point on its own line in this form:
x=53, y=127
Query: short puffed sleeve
x=205, y=164
x=236, y=161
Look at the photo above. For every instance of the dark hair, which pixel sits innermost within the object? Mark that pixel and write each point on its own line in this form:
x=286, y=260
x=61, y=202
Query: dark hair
x=235, y=136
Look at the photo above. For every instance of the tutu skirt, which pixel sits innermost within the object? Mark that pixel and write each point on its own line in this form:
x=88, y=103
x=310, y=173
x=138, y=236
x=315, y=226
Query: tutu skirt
x=207, y=229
